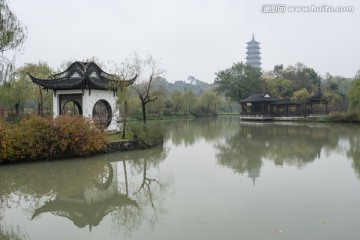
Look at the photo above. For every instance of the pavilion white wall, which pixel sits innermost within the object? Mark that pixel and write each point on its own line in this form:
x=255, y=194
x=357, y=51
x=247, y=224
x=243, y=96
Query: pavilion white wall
x=89, y=98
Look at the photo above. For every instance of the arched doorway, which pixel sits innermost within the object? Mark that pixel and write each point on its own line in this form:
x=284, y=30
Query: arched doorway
x=70, y=104
x=71, y=107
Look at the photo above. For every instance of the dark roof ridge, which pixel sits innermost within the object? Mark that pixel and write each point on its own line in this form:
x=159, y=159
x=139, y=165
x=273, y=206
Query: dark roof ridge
x=81, y=75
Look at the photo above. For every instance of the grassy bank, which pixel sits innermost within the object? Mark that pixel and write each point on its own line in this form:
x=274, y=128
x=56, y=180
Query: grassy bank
x=337, y=117
x=345, y=117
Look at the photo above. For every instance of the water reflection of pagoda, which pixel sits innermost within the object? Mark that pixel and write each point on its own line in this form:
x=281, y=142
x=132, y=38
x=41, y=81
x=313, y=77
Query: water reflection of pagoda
x=92, y=203
x=254, y=173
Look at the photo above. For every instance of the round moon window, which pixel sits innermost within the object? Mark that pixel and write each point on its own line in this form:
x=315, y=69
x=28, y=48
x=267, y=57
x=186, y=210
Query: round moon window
x=102, y=114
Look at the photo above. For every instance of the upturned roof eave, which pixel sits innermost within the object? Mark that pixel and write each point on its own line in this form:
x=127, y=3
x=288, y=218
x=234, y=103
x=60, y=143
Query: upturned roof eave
x=67, y=84
x=84, y=79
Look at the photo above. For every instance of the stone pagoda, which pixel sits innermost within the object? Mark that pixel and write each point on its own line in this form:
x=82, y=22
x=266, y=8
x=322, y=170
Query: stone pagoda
x=253, y=53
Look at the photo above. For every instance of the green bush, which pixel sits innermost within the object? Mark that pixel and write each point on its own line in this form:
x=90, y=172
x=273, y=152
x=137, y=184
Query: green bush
x=148, y=135
x=202, y=111
x=138, y=114
x=167, y=113
x=46, y=138
x=349, y=116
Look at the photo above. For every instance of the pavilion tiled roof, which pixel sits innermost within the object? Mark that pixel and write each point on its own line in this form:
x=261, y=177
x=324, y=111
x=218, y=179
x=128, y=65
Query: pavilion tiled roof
x=285, y=101
x=82, y=75
x=263, y=96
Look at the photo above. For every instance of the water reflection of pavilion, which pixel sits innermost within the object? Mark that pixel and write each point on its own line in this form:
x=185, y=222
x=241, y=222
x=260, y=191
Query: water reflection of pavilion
x=291, y=144
x=288, y=143
x=90, y=204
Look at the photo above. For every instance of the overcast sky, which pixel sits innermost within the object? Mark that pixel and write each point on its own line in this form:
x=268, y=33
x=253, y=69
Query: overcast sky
x=190, y=37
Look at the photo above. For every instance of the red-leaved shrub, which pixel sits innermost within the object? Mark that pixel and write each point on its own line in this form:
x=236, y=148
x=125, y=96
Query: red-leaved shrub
x=46, y=138
x=77, y=136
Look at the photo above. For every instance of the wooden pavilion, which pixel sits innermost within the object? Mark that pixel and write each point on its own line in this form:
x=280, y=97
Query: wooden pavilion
x=257, y=105
x=263, y=105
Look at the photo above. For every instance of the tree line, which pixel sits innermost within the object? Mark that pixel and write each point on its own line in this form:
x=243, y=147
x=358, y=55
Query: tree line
x=151, y=95
x=296, y=82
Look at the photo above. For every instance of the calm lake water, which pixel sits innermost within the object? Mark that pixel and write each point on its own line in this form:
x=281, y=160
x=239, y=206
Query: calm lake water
x=212, y=179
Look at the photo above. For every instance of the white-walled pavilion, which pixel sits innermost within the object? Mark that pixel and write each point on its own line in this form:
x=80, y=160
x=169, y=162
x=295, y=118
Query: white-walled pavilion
x=86, y=90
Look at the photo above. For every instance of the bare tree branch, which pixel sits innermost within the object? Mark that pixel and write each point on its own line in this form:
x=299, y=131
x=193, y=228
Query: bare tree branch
x=147, y=71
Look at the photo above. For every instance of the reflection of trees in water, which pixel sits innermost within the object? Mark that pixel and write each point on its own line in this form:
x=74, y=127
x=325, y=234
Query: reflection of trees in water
x=12, y=234
x=345, y=139
x=180, y=132
x=188, y=132
x=151, y=192
x=75, y=189
x=284, y=144
x=146, y=187
x=33, y=182
x=296, y=145
x=353, y=152
x=238, y=156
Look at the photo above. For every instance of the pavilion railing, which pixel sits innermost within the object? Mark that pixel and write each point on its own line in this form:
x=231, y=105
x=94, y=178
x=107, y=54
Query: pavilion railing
x=273, y=114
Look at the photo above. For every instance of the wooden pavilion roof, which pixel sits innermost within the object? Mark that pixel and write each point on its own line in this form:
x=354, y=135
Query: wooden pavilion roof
x=262, y=96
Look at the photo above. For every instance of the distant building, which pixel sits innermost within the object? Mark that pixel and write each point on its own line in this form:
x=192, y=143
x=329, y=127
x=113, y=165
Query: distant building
x=253, y=53
x=262, y=105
